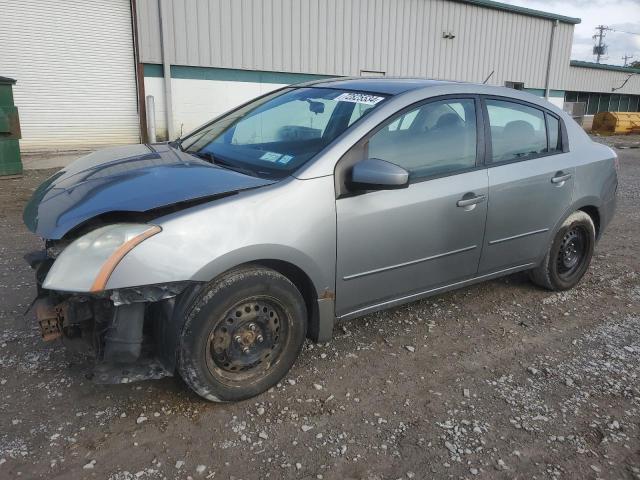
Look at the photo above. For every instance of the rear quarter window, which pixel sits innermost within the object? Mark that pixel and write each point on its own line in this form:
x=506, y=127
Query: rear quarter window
x=553, y=131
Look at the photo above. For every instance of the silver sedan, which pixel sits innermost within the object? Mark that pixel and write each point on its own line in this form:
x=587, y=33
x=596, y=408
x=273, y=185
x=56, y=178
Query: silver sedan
x=216, y=255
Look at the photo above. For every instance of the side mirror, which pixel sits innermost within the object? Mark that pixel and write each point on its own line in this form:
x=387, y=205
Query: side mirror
x=376, y=174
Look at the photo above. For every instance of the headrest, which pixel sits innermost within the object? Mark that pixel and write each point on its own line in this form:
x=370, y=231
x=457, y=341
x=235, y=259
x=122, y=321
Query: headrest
x=448, y=120
x=520, y=129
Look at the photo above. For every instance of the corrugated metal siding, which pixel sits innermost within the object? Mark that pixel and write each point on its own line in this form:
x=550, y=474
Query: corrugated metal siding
x=344, y=37
x=74, y=64
x=582, y=79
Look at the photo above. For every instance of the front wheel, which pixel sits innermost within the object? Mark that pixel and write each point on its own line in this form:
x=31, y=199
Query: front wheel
x=569, y=254
x=242, y=335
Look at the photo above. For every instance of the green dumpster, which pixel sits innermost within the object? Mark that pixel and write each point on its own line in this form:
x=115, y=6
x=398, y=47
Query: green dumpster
x=10, y=163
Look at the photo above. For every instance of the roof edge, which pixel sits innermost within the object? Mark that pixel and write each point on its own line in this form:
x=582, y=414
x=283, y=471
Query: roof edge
x=7, y=81
x=603, y=66
x=521, y=10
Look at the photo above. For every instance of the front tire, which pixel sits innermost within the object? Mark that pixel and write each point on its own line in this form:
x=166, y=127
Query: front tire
x=569, y=254
x=242, y=334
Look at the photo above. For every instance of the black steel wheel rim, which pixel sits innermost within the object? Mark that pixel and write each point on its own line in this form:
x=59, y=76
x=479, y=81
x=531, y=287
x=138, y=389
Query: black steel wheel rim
x=573, y=250
x=248, y=340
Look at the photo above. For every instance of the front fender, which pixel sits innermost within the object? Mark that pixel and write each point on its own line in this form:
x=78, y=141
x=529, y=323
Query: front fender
x=268, y=252
x=292, y=221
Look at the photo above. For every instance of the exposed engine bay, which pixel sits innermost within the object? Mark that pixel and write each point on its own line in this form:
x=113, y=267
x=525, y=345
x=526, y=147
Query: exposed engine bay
x=130, y=334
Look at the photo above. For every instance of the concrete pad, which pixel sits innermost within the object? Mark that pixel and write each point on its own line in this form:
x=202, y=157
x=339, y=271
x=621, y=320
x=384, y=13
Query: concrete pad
x=45, y=160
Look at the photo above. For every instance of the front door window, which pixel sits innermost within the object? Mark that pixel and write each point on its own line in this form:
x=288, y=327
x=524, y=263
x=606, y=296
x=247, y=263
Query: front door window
x=434, y=139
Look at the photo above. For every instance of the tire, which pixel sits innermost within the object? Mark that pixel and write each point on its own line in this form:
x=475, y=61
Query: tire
x=242, y=334
x=569, y=255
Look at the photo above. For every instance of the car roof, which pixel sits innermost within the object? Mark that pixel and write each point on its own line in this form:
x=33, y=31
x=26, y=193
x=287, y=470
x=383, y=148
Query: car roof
x=386, y=85
x=398, y=86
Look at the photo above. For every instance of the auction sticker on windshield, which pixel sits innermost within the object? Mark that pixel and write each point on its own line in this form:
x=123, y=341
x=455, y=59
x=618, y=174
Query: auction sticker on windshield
x=285, y=159
x=358, y=98
x=270, y=156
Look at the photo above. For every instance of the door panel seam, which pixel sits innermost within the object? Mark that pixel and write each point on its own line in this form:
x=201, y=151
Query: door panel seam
x=515, y=237
x=406, y=264
x=418, y=295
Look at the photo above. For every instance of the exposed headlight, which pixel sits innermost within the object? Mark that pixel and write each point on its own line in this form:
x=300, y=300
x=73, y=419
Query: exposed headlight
x=87, y=263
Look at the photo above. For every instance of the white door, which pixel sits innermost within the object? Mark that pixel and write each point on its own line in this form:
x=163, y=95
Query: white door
x=74, y=63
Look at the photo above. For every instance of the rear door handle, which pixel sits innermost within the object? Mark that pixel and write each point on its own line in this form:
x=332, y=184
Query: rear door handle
x=561, y=178
x=467, y=202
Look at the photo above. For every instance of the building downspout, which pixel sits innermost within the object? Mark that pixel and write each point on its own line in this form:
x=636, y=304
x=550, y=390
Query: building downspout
x=142, y=109
x=549, y=60
x=166, y=67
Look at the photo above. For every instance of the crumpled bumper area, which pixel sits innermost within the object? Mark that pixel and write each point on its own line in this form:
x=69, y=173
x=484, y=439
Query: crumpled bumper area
x=129, y=334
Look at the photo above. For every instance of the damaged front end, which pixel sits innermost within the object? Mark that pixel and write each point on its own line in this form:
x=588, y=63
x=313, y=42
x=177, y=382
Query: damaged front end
x=91, y=214
x=130, y=334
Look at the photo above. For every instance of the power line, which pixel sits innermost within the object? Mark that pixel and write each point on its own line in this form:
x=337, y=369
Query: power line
x=622, y=31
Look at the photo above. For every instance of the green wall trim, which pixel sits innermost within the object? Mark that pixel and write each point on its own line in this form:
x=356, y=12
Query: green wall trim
x=230, y=75
x=153, y=70
x=522, y=10
x=540, y=92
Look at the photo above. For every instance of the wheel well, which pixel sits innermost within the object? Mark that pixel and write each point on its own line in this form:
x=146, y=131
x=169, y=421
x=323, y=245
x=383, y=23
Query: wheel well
x=595, y=217
x=303, y=283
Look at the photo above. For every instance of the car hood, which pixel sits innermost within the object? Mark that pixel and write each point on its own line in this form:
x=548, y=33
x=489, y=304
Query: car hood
x=135, y=178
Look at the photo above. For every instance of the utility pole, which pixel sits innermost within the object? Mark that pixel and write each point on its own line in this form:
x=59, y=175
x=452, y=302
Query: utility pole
x=601, y=47
x=626, y=58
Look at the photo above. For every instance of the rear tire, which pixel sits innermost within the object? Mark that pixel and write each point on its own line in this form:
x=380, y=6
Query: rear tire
x=242, y=334
x=569, y=255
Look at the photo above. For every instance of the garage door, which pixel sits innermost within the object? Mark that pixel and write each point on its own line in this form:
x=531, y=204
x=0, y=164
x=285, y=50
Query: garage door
x=74, y=63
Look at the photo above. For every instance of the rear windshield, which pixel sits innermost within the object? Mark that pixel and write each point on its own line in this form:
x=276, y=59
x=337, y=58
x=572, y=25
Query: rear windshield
x=276, y=134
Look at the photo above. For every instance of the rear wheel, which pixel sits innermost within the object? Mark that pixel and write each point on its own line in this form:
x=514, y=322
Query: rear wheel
x=569, y=254
x=242, y=335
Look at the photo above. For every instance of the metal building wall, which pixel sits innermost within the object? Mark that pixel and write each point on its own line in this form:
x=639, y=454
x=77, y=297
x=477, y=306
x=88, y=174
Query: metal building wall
x=582, y=79
x=344, y=37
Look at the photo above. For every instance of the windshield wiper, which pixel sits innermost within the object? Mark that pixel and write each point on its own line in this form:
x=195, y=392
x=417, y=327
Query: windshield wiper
x=224, y=164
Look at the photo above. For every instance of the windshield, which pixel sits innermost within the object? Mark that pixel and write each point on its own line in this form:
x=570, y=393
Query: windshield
x=276, y=134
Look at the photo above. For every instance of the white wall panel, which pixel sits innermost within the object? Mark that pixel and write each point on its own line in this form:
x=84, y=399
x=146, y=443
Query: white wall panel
x=73, y=60
x=344, y=37
x=198, y=101
x=598, y=80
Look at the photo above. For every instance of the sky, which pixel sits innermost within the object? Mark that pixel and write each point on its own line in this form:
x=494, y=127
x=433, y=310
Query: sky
x=617, y=14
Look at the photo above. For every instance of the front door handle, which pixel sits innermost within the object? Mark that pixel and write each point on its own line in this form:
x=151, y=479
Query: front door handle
x=467, y=202
x=560, y=177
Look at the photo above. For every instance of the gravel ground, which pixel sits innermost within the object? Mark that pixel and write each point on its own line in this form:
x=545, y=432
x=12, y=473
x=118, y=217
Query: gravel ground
x=498, y=380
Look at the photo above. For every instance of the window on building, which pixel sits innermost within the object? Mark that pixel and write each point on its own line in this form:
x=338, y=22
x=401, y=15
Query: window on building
x=614, y=103
x=624, y=103
x=371, y=73
x=517, y=131
x=514, y=85
x=434, y=139
x=604, y=102
x=571, y=97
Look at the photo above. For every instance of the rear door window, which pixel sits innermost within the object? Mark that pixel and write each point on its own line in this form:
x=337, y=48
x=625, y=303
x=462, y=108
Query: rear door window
x=517, y=131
